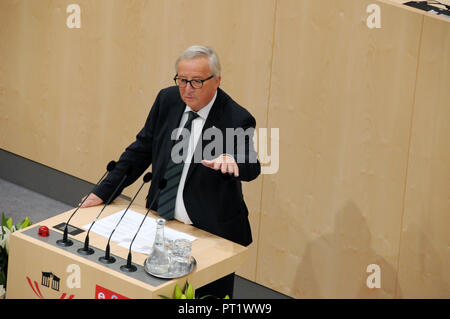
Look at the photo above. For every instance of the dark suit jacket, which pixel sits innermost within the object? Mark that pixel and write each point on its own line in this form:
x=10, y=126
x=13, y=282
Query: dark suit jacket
x=213, y=201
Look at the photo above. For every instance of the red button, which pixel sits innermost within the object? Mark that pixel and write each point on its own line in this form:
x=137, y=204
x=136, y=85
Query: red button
x=43, y=231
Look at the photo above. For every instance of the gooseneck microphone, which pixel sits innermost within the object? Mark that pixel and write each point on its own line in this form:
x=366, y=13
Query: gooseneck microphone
x=86, y=250
x=65, y=241
x=108, y=259
x=129, y=267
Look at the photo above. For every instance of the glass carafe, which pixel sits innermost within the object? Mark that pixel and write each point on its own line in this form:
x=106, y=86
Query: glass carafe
x=158, y=261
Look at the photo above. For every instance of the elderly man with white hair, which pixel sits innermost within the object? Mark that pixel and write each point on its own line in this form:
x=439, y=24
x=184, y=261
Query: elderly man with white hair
x=203, y=181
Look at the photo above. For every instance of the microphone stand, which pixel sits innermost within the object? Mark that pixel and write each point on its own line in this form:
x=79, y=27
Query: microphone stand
x=108, y=259
x=65, y=242
x=86, y=250
x=128, y=267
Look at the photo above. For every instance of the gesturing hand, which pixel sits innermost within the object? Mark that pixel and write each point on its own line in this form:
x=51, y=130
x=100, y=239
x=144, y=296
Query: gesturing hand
x=225, y=163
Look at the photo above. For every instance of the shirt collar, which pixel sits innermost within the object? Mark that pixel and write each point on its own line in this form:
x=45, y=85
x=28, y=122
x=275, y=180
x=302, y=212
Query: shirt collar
x=203, y=113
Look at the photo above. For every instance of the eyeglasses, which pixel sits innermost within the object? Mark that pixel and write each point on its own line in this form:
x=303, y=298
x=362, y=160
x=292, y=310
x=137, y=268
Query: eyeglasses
x=195, y=83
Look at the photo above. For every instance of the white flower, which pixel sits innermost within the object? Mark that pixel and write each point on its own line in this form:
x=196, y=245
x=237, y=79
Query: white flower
x=4, y=241
x=3, y=236
x=2, y=291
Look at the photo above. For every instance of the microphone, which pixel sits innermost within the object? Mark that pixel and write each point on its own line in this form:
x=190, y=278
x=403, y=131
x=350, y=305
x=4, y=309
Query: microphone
x=86, y=250
x=129, y=267
x=108, y=259
x=65, y=241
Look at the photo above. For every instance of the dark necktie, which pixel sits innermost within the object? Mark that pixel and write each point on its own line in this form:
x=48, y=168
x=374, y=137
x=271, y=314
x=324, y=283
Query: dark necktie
x=167, y=197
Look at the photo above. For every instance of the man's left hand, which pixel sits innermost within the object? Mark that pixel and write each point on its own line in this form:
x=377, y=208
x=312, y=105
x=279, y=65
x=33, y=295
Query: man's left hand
x=225, y=163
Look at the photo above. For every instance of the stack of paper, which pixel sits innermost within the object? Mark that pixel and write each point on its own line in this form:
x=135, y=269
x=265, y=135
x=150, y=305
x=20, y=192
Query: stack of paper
x=128, y=227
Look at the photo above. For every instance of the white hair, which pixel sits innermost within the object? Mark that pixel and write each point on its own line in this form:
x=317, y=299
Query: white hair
x=198, y=51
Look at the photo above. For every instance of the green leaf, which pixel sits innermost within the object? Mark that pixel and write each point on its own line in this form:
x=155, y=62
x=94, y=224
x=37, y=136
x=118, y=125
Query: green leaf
x=3, y=219
x=177, y=293
x=183, y=296
x=189, y=292
x=24, y=223
x=9, y=223
x=164, y=297
x=227, y=297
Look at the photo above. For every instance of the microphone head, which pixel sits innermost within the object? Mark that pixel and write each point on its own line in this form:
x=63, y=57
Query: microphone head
x=148, y=177
x=162, y=183
x=129, y=170
x=111, y=165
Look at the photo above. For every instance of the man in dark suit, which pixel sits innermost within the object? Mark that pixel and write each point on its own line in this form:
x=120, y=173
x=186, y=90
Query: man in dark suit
x=204, y=181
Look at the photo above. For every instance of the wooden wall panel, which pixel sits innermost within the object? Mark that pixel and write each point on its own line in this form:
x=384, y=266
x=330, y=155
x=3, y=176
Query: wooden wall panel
x=425, y=237
x=342, y=96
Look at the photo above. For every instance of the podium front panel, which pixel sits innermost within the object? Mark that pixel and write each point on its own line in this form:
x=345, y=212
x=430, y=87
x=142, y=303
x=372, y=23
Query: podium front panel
x=39, y=268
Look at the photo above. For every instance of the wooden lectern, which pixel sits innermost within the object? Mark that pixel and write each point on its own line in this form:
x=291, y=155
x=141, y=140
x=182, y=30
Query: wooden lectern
x=39, y=268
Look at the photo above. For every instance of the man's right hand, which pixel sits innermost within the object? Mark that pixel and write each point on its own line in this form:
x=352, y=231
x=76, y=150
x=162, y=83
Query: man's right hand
x=92, y=200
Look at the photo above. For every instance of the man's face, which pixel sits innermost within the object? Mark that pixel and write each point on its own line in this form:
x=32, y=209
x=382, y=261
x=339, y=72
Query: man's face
x=197, y=69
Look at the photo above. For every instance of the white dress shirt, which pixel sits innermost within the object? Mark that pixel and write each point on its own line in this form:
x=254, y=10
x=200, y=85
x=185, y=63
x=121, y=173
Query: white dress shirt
x=196, y=130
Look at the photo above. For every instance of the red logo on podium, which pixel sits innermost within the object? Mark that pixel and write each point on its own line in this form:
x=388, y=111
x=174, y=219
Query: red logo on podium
x=38, y=292
x=103, y=293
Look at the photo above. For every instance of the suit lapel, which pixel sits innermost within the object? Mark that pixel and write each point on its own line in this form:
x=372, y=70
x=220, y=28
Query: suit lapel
x=173, y=121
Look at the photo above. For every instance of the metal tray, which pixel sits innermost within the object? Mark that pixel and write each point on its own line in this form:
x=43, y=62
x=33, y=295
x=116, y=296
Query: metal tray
x=170, y=275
